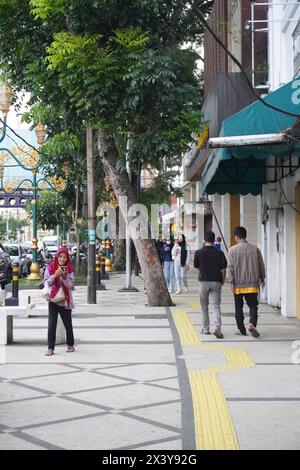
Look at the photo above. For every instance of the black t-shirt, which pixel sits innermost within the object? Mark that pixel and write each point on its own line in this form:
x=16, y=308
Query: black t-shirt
x=210, y=263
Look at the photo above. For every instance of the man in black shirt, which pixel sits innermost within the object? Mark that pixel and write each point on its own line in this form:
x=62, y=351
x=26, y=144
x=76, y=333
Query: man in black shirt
x=212, y=266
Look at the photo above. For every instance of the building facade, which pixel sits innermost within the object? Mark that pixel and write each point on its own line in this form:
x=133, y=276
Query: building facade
x=270, y=173
x=226, y=92
x=281, y=198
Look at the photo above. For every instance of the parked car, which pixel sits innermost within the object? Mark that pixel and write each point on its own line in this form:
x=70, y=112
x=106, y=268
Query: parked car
x=52, y=243
x=5, y=267
x=17, y=255
x=43, y=255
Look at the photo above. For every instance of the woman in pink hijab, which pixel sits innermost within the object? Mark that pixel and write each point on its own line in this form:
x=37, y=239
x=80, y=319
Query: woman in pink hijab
x=59, y=274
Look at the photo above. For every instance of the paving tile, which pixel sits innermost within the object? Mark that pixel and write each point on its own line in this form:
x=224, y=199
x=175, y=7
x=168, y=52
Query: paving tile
x=128, y=396
x=10, y=391
x=266, y=425
x=104, y=432
x=166, y=445
x=17, y=371
x=169, y=414
x=43, y=410
x=262, y=381
x=99, y=353
x=145, y=371
x=74, y=382
x=11, y=442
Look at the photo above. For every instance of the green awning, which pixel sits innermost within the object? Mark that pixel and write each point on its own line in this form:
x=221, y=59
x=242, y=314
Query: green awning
x=241, y=170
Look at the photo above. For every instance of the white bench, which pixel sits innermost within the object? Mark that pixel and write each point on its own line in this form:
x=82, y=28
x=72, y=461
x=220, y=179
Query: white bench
x=24, y=311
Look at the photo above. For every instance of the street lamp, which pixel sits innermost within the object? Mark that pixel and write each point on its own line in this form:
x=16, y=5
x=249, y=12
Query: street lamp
x=30, y=161
x=6, y=97
x=35, y=184
x=40, y=132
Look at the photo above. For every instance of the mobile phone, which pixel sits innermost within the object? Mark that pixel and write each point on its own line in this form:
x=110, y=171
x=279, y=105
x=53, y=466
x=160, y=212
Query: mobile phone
x=64, y=268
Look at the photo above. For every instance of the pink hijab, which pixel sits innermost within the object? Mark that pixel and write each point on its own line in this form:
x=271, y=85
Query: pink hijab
x=54, y=266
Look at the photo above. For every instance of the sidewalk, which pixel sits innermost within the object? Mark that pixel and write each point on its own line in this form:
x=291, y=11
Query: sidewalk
x=145, y=378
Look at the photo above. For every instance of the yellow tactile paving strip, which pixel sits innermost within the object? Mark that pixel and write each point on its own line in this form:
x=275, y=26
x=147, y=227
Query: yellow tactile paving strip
x=213, y=425
x=193, y=304
x=187, y=333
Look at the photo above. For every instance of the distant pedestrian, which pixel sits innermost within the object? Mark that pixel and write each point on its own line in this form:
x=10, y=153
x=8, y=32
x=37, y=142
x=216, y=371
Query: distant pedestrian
x=212, y=273
x=158, y=245
x=246, y=273
x=60, y=278
x=181, y=257
x=217, y=243
x=166, y=254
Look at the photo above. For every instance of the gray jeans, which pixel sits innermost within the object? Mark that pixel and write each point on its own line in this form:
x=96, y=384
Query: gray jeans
x=210, y=291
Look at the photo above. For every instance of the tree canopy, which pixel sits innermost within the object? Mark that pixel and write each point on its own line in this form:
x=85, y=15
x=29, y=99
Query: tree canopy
x=123, y=64
x=123, y=67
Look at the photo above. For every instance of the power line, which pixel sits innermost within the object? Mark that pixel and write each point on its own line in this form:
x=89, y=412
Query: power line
x=20, y=137
x=235, y=60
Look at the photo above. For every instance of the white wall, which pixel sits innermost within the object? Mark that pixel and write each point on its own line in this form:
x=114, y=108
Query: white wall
x=249, y=217
x=288, y=297
x=273, y=257
x=225, y=217
x=281, y=267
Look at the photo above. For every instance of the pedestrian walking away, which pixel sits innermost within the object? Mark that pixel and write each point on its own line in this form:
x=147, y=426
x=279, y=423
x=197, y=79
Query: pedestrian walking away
x=246, y=273
x=166, y=255
x=181, y=257
x=211, y=264
x=59, y=277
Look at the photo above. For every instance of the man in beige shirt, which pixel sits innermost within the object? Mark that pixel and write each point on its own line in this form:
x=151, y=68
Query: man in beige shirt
x=246, y=273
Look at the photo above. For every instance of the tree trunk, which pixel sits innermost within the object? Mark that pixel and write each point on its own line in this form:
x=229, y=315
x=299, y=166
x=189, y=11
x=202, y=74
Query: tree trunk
x=157, y=291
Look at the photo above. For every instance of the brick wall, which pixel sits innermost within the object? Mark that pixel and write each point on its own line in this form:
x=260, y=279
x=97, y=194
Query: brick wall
x=215, y=58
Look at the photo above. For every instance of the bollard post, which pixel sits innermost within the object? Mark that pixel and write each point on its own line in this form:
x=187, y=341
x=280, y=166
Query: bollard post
x=99, y=286
x=14, y=299
x=104, y=275
x=108, y=262
x=15, y=281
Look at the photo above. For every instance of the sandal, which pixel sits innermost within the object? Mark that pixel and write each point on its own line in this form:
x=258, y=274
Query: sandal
x=70, y=349
x=50, y=352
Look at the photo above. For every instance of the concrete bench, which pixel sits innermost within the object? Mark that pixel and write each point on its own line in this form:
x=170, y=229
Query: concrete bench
x=24, y=311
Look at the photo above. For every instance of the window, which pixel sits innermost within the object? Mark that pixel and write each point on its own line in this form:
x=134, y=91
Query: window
x=12, y=250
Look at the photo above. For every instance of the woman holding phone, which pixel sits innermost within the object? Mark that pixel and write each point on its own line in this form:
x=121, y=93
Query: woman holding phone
x=60, y=278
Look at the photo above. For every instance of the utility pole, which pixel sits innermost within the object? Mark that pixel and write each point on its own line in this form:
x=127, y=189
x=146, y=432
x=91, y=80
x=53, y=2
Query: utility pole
x=138, y=190
x=128, y=287
x=7, y=226
x=91, y=279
